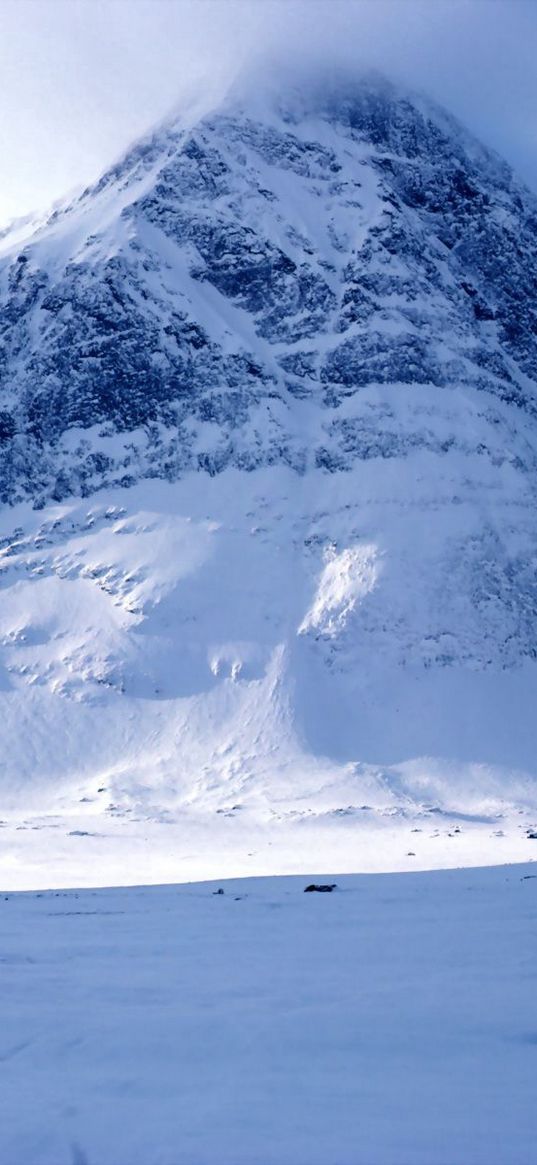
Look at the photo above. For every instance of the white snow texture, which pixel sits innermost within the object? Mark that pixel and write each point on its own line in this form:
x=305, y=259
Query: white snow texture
x=297, y=628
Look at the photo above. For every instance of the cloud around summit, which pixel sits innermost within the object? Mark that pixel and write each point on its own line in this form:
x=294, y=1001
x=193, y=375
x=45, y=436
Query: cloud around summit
x=83, y=78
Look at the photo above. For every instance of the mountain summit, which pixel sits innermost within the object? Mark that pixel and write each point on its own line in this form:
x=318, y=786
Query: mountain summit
x=224, y=278
x=287, y=353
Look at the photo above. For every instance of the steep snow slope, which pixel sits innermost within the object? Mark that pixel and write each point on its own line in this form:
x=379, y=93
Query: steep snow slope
x=293, y=346
x=191, y=687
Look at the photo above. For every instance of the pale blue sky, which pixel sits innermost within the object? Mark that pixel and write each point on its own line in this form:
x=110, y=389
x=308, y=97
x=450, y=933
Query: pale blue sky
x=82, y=78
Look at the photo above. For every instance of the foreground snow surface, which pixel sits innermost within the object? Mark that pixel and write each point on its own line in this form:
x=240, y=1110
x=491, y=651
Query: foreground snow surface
x=389, y=1023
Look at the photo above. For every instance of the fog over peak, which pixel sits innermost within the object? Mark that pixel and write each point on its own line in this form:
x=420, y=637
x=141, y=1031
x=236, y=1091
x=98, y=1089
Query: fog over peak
x=84, y=78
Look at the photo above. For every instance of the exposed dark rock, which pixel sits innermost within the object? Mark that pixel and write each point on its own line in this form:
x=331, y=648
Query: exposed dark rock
x=320, y=888
x=194, y=328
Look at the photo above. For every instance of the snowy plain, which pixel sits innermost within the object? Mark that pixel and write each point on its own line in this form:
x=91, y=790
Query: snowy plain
x=392, y=1022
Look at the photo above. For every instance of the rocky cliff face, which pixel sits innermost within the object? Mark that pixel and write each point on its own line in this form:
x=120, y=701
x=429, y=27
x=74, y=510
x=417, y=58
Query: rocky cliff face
x=312, y=284
x=315, y=319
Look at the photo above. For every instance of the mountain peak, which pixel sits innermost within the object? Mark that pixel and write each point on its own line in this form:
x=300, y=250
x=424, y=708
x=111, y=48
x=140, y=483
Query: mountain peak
x=301, y=88
x=294, y=339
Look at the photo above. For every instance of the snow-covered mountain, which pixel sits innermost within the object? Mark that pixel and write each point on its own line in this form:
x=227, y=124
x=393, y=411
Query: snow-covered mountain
x=268, y=427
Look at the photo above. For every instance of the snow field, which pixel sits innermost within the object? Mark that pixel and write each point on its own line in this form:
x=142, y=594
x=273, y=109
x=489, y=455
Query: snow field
x=389, y=1023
